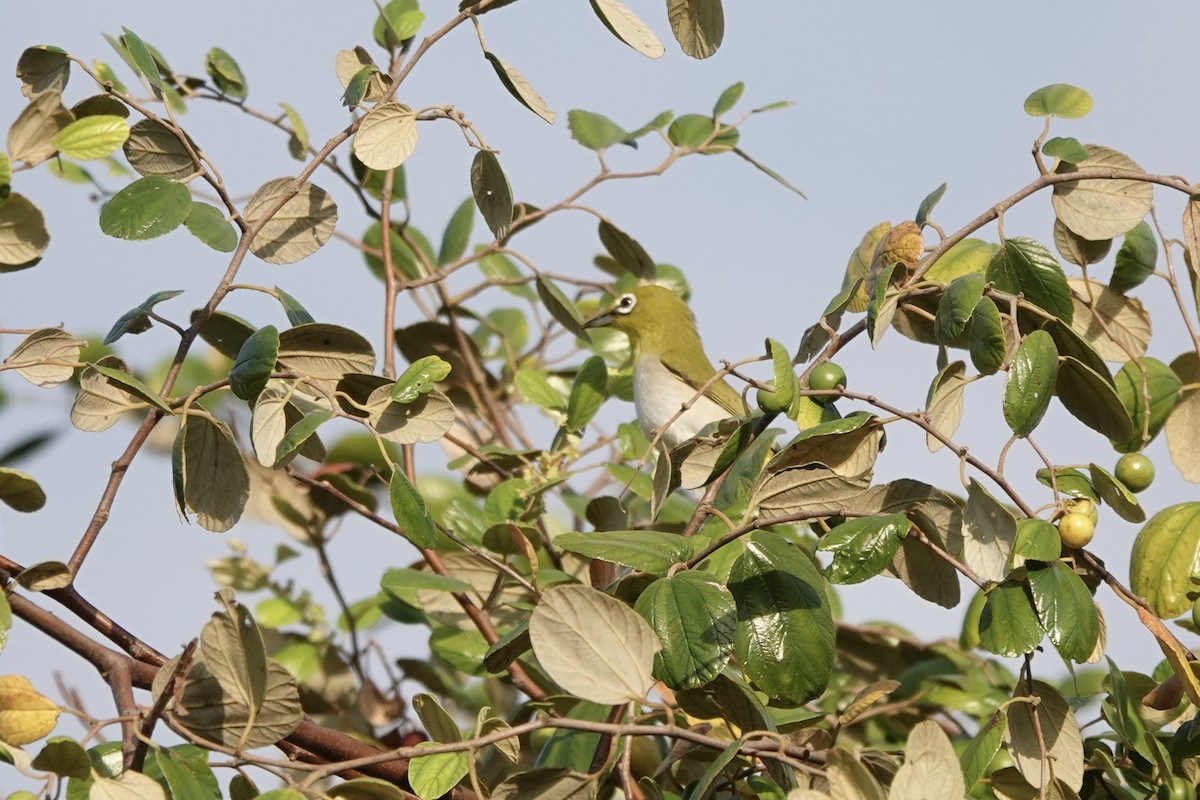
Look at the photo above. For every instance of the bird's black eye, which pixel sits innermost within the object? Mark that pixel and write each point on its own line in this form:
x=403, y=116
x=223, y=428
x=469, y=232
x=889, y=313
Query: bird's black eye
x=626, y=303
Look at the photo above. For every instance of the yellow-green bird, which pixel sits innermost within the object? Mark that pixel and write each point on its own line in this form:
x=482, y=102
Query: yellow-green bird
x=669, y=364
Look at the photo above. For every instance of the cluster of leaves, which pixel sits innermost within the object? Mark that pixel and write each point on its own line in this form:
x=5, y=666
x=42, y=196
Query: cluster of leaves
x=594, y=627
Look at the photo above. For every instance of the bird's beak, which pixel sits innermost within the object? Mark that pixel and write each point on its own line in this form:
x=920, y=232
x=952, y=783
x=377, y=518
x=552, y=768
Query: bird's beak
x=601, y=320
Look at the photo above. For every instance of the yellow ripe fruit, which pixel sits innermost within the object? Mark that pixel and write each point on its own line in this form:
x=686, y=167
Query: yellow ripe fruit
x=1085, y=507
x=1075, y=529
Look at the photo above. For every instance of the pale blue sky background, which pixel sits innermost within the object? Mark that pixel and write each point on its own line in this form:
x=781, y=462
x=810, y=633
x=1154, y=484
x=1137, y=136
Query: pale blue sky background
x=891, y=100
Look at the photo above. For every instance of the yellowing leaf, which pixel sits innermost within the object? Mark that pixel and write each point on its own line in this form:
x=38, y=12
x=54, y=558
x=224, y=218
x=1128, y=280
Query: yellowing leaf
x=46, y=357
x=25, y=716
x=627, y=27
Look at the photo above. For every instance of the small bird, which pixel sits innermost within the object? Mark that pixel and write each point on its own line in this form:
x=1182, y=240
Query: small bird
x=669, y=364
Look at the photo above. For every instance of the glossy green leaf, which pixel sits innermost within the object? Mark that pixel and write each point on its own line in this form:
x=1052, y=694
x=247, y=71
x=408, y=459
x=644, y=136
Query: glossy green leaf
x=255, y=363
x=1009, y=625
x=1070, y=482
x=458, y=234
x=419, y=378
x=1135, y=260
x=862, y=547
x=145, y=209
x=492, y=193
x=1149, y=390
x=588, y=392
x=927, y=205
x=136, y=320
x=209, y=474
x=209, y=225
x=225, y=332
x=785, y=635
x=411, y=514
x=698, y=25
x=1076, y=249
x=980, y=751
x=560, y=307
x=784, y=382
x=92, y=137
x=596, y=131
x=986, y=341
x=1066, y=149
x=1037, y=540
x=296, y=313
x=1116, y=495
x=956, y=306
x=646, y=551
x=1161, y=563
x=1092, y=399
x=695, y=619
x=1065, y=608
x=1025, y=267
x=1059, y=100
x=626, y=251
x=225, y=73
x=1030, y=385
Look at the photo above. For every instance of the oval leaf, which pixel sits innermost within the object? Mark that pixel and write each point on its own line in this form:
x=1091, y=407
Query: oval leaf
x=300, y=227
x=145, y=209
x=1031, y=380
x=1102, y=209
x=1160, y=566
x=695, y=619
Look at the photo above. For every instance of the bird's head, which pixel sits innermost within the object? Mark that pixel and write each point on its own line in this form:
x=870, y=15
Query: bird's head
x=653, y=317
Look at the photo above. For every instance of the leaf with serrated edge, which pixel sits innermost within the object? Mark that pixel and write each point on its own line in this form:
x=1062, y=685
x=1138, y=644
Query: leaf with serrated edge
x=593, y=645
x=46, y=357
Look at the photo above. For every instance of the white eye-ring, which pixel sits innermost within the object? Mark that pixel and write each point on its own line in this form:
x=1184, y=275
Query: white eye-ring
x=626, y=304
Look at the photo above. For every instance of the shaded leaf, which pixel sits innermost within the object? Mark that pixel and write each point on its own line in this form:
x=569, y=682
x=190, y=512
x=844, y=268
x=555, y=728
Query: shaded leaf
x=1135, y=260
x=136, y=320
x=1101, y=209
x=698, y=25
x=209, y=474
x=303, y=223
x=520, y=88
x=492, y=193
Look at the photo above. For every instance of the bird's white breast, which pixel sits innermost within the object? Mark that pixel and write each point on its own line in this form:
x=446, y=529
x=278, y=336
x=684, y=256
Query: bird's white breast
x=658, y=394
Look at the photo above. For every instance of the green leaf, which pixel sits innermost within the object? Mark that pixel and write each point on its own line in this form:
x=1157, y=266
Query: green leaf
x=419, y=378
x=695, y=619
x=785, y=634
x=1135, y=260
x=1114, y=494
x=986, y=341
x=1023, y=266
x=1070, y=482
x=492, y=193
x=188, y=779
x=398, y=21
x=1148, y=399
x=956, y=307
x=155, y=150
x=1009, y=625
x=1037, y=540
x=209, y=474
x=131, y=384
x=145, y=209
x=691, y=130
x=296, y=313
x=357, y=86
x=646, y=551
x=137, y=320
x=983, y=748
x=1092, y=399
x=1065, y=608
x=20, y=492
x=435, y=775
x=209, y=225
x=862, y=547
x=969, y=255
x=1059, y=100
x=698, y=25
x=763, y=168
x=92, y=137
x=560, y=307
x=927, y=205
x=1030, y=385
x=254, y=363
x=728, y=98
x=298, y=141
x=626, y=251
x=588, y=393
x=411, y=515
x=785, y=385
x=1161, y=563
x=537, y=389
x=1066, y=149
x=458, y=234
x=226, y=73
x=141, y=58
x=64, y=757
x=595, y=131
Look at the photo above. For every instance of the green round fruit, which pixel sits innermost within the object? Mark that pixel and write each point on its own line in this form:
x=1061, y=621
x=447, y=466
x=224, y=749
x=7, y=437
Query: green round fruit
x=825, y=377
x=1135, y=471
x=1076, y=530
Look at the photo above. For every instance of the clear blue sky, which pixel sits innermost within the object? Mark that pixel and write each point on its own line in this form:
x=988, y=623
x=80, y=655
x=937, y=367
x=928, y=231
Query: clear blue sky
x=890, y=101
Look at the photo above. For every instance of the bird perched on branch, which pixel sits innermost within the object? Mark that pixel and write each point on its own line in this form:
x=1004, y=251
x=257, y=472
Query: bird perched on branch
x=669, y=364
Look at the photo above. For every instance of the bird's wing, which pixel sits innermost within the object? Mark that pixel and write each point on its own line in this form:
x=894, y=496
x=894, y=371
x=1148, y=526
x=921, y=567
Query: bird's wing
x=720, y=392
